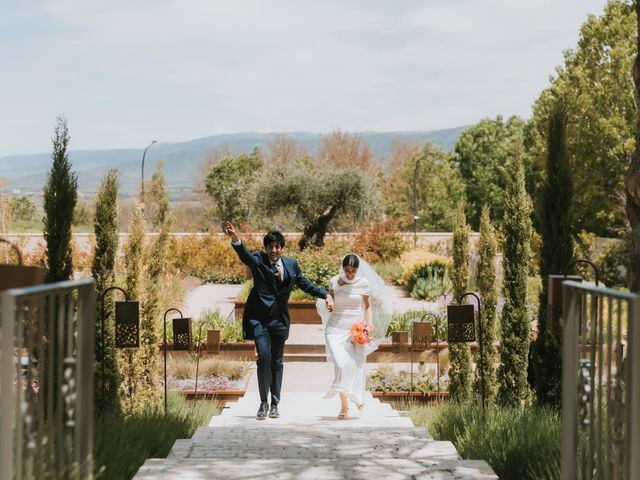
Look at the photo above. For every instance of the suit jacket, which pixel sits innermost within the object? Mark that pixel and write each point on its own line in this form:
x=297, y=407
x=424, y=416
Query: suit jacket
x=266, y=300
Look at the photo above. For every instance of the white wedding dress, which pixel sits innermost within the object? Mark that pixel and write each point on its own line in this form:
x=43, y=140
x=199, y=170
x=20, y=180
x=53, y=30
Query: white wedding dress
x=348, y=359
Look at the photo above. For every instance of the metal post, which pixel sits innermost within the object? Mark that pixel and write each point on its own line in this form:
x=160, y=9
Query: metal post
x=415, y=202
x=164, y=336
x=633, y=402
x=571, y=308
x=198, y=348
x=482, y=393
x=102, y=333
x=143, y=155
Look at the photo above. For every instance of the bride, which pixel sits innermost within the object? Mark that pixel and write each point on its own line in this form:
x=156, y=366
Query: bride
x=359, y=296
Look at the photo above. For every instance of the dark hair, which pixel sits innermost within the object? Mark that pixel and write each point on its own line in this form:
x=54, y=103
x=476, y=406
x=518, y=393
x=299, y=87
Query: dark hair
x=351, y=260
x=273, y=236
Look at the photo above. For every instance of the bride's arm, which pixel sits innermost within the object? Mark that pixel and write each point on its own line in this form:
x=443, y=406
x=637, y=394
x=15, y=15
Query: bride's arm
x=367, y=311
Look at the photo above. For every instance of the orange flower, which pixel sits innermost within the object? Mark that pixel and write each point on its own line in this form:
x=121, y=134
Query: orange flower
x=360, y=333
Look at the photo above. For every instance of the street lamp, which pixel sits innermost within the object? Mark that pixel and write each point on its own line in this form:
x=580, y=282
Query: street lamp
x=143, y=155
x=415, y=204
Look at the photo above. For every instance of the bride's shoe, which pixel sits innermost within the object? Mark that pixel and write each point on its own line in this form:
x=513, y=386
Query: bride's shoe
x=343, y=415
x=359, y=406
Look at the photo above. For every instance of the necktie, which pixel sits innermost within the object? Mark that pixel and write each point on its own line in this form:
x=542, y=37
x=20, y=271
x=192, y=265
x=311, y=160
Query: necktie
x=276, y=272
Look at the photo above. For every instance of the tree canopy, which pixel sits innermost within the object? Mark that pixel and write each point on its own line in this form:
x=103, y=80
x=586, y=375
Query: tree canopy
x=597, y=84
x=316, y=197
x=484, y=154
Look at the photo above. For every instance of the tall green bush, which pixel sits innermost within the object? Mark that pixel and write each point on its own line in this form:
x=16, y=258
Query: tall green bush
x=134, y=263
x=459, y=353
x=486, y=282
x=517, y=444
x=102, y=270
x=148, y=390
x=555, y=255
x=512, y=373
x=60, y=195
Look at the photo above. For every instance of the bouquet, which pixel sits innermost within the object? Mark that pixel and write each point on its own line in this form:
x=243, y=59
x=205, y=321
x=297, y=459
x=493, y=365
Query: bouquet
x=360, y=333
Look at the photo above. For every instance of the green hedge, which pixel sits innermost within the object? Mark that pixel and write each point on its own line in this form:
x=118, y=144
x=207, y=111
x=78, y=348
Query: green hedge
x=122, y=444
x=522, y=444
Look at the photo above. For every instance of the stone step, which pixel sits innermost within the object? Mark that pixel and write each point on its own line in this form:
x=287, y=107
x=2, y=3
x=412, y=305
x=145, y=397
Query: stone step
x=308, y=441
x=304, y=357
x=314, y=469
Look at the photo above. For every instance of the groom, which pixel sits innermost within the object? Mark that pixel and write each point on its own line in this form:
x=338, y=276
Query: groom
x=266, y=314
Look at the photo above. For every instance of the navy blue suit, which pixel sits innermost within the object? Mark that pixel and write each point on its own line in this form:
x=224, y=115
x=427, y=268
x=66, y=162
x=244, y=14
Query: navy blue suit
x=266, y=315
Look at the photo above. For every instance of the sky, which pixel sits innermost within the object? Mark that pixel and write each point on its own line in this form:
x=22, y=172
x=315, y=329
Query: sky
x=128, y=72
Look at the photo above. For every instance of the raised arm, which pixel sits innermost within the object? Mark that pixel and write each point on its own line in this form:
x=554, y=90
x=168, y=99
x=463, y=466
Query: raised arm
x=243, y=252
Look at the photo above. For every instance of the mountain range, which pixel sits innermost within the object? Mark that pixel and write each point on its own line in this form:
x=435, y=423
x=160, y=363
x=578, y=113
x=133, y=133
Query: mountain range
x=182, y=160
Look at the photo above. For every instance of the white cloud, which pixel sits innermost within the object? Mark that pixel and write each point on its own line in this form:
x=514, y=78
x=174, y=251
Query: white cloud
x=125, y=72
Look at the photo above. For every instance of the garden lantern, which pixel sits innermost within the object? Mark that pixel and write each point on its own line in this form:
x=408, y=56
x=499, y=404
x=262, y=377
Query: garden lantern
x=127, y=324
x=182, y=333
x=213, y=341
x=421, y=335
x=462, y=329
x=461, y=324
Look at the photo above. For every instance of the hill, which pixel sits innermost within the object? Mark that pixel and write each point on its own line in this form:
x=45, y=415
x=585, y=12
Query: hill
x=26, y=173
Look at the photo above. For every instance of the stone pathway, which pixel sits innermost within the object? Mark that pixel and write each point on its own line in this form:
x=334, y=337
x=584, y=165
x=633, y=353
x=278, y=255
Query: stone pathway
x=309, y=442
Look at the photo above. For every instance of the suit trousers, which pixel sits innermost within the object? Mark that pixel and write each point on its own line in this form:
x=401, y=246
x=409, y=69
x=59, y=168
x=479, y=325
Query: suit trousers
x=269, y=339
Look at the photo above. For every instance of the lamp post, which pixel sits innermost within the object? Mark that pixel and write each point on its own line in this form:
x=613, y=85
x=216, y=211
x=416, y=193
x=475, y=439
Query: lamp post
x=164, y=339
x=143, y=155
x=415, y=203
x=198, y=349
x=482, y=394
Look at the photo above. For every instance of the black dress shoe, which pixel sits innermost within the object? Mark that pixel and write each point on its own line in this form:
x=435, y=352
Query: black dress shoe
x=273, y=411
x=262, y=411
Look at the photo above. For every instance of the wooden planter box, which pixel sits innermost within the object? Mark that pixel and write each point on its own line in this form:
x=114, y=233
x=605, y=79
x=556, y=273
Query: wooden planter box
x=300, y=311
x=413, y=396
x=221, y=395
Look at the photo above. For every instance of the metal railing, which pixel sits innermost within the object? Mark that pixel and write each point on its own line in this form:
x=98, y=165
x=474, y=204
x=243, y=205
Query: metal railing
x=46, y=382
x=600, y=383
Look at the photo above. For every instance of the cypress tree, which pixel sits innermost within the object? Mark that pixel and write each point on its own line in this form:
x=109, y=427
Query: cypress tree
x=60, y=195
x=512, y=373
x=555, y=255
x=459, y=353
x=134, y=262
x=102, y=270
x=486, y=282
x=148, y=390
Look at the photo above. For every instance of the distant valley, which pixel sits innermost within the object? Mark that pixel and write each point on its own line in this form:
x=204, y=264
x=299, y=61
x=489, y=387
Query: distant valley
x=26, y=173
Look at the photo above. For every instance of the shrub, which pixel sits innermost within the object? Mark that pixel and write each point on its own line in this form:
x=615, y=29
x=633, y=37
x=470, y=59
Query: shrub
x=385, y=379
x=402, y=322
x=614, y=263
x=380, y=242
x=230, y=330
x=209, y=258
x=522, y=444
x=428, y=267
x=184, y=367
x=122, y=444
x=391, y=272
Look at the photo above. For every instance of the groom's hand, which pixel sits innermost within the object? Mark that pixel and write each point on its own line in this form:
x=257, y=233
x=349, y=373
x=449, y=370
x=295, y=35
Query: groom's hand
x=230, y=231
x=329, y=301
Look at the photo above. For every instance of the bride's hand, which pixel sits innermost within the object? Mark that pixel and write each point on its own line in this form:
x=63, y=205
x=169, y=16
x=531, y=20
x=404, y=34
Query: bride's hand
x=329, y=301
